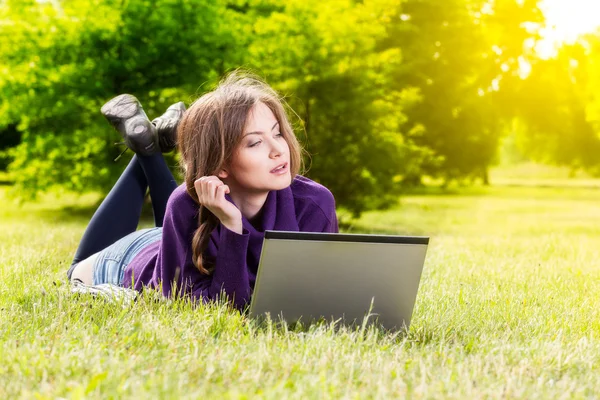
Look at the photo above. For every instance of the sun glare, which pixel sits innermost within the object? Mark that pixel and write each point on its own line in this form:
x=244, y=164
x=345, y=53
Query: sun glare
x=566, y=20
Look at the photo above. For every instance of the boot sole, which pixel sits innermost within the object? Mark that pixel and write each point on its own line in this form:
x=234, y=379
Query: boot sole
x=121, y=107
x=126, y=115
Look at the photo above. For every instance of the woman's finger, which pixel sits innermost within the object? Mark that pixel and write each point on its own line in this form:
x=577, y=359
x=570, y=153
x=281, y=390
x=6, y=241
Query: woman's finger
x=221, y=191
x=200, y=186
x=199, y=191
x=211, y=187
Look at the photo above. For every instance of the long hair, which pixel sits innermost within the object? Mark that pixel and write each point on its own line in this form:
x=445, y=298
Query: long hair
x=211, y=130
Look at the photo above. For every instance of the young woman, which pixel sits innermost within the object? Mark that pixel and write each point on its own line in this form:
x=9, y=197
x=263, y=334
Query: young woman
x=241, y=162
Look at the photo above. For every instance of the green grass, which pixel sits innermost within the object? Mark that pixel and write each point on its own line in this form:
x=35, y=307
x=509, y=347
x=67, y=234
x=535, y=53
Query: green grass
x=508, y=308
x=529, y=173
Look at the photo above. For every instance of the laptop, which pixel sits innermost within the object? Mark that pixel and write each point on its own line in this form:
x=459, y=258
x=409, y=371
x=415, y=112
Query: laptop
x=305, y=277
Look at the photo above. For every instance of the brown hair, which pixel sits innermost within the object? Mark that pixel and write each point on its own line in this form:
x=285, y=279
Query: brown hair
x=210, y=132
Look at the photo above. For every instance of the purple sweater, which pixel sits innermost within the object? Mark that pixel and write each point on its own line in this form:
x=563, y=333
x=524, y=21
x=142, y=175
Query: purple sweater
x=304, y=206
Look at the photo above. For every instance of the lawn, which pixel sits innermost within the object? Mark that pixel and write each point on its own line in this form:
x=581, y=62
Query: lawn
x=509, y=307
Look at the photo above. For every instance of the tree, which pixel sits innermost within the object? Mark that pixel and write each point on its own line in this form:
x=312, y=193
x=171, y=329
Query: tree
x=325, y=57
x=71, y=58
x=556, y=104
x=63, y=60
x=457, y=54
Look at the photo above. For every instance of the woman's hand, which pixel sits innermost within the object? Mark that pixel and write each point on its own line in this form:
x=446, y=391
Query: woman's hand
x=211, y=194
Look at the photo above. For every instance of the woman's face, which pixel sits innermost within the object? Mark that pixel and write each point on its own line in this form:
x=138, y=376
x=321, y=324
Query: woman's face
x=262, y=160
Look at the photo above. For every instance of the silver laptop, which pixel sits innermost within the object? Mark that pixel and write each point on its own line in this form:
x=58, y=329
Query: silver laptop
x=342, y=277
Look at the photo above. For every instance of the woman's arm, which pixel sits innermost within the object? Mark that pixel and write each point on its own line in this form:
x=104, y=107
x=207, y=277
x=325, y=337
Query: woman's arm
x=230, y=275
x=226, y=250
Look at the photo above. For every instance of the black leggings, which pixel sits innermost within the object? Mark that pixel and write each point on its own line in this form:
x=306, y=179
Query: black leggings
x=119, y=213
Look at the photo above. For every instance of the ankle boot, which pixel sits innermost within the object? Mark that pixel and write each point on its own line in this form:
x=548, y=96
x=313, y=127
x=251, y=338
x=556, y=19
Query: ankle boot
x=166, y=125
x=126, y=115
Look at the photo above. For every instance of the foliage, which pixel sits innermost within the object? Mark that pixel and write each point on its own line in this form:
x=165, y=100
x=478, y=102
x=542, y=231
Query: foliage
x=549, y=104
x=553, y=105
x=63, y=60
x=386, y=91
x=454, y=56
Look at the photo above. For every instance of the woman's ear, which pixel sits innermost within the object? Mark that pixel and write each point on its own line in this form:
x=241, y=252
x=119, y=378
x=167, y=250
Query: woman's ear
x=223, y=174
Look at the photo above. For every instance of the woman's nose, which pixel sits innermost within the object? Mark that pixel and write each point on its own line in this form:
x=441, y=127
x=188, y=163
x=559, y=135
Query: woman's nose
x=277, y=148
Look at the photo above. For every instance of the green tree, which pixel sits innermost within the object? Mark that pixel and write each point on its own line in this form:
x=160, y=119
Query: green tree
x=457, y=54
x=63, y=60
x=326, y=58
x=556, y=104
x=386, y=90
x=593, y=89
x=66, y=58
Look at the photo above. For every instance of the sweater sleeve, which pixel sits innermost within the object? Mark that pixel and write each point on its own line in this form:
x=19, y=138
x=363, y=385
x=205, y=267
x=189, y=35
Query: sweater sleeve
x=174, y=269
x=230, y=275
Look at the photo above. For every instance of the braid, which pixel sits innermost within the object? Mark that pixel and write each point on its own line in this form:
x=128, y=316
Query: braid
x=207, y=222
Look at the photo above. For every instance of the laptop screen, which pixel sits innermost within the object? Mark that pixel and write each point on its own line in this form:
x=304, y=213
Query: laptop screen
x=307, y=276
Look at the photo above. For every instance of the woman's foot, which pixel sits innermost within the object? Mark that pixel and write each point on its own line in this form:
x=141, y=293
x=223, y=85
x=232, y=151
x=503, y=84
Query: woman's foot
x=166, y=125
x=126, y=115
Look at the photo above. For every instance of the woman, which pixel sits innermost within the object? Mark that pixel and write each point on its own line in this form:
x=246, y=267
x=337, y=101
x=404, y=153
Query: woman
x=241, y=159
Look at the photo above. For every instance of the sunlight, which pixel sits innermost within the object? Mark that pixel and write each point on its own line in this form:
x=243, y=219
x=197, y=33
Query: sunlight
x=566, y=20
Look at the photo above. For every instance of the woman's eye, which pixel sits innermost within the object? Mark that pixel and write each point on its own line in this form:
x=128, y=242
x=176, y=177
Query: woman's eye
x=279, y=135
x=255, y=144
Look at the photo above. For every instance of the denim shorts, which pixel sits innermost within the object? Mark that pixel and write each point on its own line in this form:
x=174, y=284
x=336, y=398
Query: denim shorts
x=110, y=263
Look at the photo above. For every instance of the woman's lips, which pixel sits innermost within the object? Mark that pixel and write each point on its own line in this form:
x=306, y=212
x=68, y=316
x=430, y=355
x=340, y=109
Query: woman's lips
x=280, y=170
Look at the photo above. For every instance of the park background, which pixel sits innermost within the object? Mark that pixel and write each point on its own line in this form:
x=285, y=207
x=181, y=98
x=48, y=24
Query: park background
x=474, y=122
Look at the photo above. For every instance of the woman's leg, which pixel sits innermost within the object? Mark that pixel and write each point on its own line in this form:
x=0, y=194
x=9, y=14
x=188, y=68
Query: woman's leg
x=161, y=183
x=119, y=213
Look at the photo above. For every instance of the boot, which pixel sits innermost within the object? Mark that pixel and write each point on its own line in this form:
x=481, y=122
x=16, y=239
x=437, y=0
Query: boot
x=126, y=115
x=166, y=125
